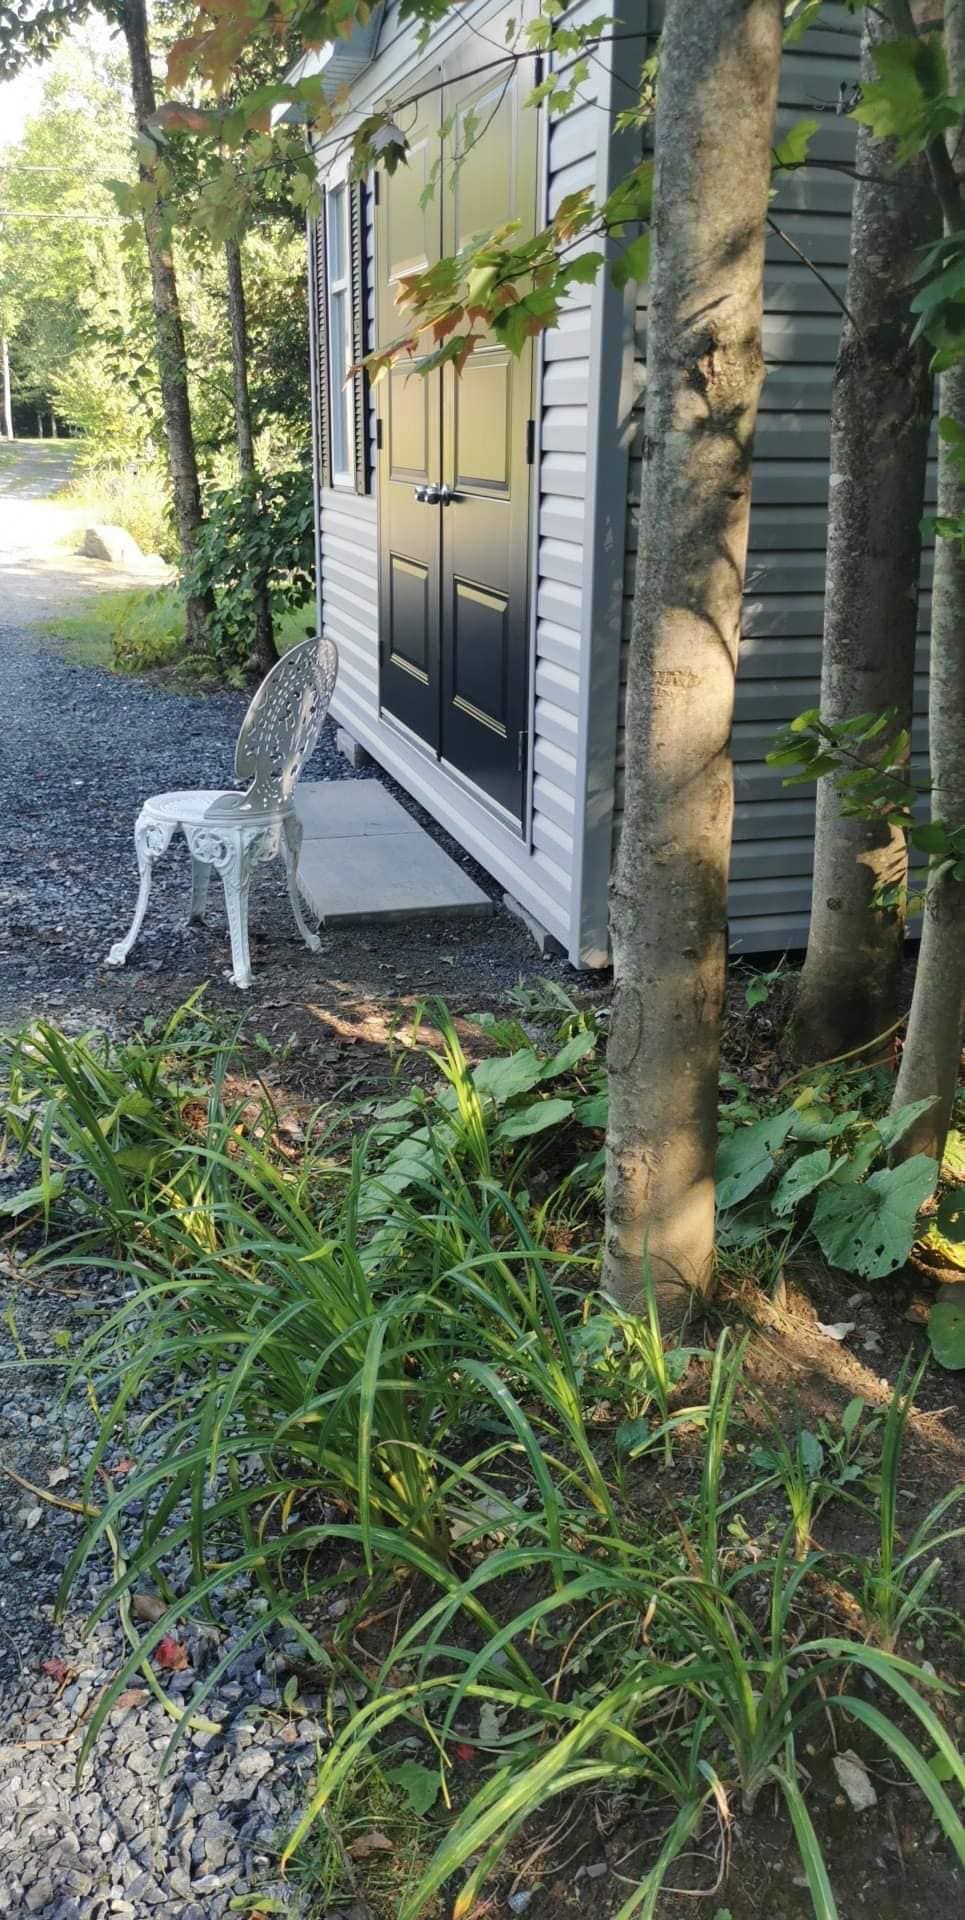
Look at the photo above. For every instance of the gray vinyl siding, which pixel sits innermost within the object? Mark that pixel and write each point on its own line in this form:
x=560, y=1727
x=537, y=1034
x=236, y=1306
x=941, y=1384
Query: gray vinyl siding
x=540, y=866
x=780, y=659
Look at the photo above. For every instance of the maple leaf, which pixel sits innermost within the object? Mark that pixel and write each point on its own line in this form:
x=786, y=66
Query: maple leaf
x=57, y=1668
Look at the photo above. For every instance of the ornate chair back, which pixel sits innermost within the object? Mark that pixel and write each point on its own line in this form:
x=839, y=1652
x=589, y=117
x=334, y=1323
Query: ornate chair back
x=280, y=730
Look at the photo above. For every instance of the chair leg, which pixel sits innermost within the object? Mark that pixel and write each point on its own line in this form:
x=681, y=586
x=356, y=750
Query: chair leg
x=291, y=848
x=151, y=839
x=200, y=882
x=236, y=878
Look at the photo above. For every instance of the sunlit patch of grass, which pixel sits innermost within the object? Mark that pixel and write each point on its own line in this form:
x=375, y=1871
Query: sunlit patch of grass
x=130, y=631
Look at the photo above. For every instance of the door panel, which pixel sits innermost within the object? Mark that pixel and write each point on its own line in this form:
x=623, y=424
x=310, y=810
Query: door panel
x=486, y=411
x=454, y=575
x=408, y=239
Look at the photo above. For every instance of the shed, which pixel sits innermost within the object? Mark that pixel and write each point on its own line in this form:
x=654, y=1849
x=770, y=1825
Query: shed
x=477, y=533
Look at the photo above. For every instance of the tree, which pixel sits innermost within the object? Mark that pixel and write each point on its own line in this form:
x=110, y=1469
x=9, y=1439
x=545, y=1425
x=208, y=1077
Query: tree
x=880, y=424
x=669, y=893
x=930, y=1061
x=5, y=375
x=263, y=648
x=171, y=353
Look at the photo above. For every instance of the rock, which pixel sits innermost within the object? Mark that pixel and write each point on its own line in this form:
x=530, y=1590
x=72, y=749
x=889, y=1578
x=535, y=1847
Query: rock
x=252, y=1765
x=40, y=1897
x=113, y=544
x=212, y=1843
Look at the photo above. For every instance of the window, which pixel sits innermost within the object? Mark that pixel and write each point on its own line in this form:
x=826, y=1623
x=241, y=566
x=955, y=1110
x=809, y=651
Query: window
x=340, y=335
x=337, y=258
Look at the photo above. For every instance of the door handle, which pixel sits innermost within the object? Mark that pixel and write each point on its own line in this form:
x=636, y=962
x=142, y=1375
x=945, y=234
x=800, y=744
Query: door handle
x=447, y=495
x=428, y=496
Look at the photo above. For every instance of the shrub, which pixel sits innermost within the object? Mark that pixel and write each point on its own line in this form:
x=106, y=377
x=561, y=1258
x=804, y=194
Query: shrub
x=258, y=532
x=131, y=494
x=132, y=630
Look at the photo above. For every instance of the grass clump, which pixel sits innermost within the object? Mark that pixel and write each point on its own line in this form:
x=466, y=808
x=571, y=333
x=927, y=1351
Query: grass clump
x=133, y=630
x=390, y=1382
x=142, y=629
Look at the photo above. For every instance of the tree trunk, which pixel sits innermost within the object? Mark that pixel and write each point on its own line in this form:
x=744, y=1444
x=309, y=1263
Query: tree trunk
x=880, y=421
x=716, y=104
x=932, y=1054
x=264, y=652
x=7, y=408
x=169, y=331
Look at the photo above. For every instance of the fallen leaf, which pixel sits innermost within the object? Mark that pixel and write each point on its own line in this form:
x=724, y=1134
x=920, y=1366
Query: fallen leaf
x=853, y=1777
x=30, y=1517
x=170, y=1655
x=465, y=1753
x=121, y=1467
x=132, y=1697
x=57, y=1668
x=147, y=1606
x=838, y=1330
x=370, y=1843
x=56, y=1475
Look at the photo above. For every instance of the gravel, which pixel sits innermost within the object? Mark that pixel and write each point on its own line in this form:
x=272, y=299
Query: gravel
x=80, y=750
x=123, y=1840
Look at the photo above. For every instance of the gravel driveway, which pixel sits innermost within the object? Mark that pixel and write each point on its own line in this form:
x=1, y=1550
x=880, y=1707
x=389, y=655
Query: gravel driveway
x=79, y=749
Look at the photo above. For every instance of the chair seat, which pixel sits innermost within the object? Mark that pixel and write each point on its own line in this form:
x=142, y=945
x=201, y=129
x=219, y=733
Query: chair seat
x=194, y=806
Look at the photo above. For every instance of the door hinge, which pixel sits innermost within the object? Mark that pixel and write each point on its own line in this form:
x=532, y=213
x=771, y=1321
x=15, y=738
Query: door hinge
x=521, y=745
x=375, y=186
x=530, y=442
x=538, y=70
x=378, y=431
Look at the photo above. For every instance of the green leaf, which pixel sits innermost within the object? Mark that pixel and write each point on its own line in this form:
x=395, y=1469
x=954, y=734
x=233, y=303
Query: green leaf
x=801, y=15
x=535, y=1119
x=931, y=836
x=756, y=992
x=792, y=150
x=632, y=1433
x=851, y=1416
x=909, y=100
x=39, y=1196
x=892, y=1127
x=950, y=1219
x=583, y=270
x=812, y=1453
x=946, y=1333
x=819, y=1122
x=746, y=1158
x=633, y=263
x=507, y=1075
x=419, y=1784
x=870, y=1227
x=592, y=1112
x=803, y=1176
x=572, y=1051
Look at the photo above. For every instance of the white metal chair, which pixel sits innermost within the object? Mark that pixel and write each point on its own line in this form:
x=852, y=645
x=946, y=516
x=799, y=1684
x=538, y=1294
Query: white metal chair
x=233, y=832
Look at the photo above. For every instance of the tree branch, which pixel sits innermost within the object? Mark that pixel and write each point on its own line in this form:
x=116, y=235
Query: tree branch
x=818, y=275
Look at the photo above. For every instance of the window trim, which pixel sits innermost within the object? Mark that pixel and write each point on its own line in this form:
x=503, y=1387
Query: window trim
x=340, y=402
x=339, y=294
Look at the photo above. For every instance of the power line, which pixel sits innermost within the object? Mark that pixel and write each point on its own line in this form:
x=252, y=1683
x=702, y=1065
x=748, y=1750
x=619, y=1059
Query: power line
x=32, y=213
